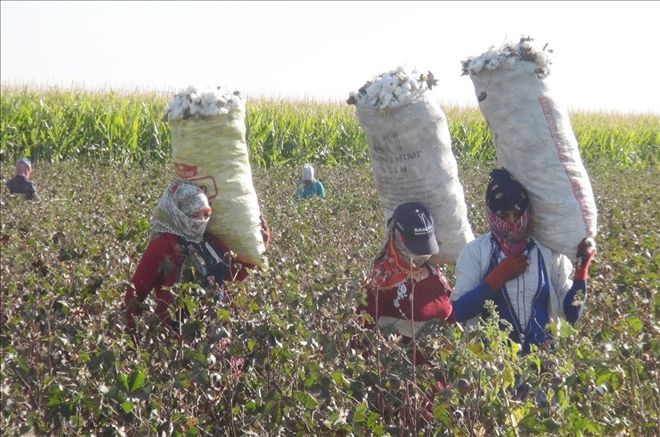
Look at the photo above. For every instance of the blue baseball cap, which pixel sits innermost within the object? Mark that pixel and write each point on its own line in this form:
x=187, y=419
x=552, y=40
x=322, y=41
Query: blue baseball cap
x=415, y=223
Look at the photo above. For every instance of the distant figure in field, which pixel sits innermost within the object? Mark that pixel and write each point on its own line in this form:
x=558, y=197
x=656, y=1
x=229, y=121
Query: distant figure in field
x=21, y=183
x=309, y=186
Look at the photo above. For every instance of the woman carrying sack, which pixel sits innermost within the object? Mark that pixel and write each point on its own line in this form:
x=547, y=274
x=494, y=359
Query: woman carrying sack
x=180, y=251
x=404, y=290
x=529, y=283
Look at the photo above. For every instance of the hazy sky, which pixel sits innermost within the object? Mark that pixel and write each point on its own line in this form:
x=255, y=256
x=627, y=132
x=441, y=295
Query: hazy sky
x=606, y=53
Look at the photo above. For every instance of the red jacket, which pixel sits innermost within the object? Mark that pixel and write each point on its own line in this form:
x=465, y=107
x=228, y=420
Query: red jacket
x=158, y=270
x=425, y=300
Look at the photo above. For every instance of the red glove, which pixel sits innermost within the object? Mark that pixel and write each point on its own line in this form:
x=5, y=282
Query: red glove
x=585, y=254
x=507, y=269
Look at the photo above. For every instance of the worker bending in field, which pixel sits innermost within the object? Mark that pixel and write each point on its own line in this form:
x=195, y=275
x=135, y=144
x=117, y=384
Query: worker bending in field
x=404, y=290
x=180, y=251
x=21, y=183
x=309, y=186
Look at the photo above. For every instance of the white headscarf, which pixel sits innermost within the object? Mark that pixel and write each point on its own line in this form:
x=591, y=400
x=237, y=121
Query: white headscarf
x=308, y=172
x=179, y=201
x=24, y=168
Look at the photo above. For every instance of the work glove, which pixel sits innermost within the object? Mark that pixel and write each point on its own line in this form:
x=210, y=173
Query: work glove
x=507, y=269
x=585, y=254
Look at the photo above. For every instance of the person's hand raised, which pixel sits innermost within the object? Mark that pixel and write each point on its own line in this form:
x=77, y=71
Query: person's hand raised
x=507, y=269
x=585, y=254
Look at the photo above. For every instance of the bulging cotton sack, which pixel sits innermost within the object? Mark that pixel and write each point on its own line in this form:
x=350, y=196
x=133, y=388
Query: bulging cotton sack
x=411, y=155
x=535, y=142
x=209, y=149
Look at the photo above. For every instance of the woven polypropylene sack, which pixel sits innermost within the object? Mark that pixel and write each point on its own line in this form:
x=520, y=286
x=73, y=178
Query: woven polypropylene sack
x=534, y=140
x=212, y=153
x=412, y=160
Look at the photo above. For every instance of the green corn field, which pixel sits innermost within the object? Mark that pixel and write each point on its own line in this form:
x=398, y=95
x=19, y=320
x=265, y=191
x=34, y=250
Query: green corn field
x=113, y=127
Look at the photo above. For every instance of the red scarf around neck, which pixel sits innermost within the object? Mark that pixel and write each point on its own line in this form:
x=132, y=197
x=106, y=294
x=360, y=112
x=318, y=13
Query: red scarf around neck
x=390, y=270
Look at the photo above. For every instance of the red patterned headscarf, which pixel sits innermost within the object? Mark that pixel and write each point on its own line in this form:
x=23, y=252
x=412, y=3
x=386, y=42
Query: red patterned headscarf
x=505, y=193
x=512, y=237
x=390, y=267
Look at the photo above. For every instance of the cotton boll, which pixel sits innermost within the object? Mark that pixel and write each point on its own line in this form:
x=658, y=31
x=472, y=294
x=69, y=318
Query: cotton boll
x=216, y=381
x=542, y=59
x=210, y=360
x=389, y=85
x=209, y=98
x=196, y=108
x=476, y=65
x=235, y=103
x=493, y=64
x=373, y=89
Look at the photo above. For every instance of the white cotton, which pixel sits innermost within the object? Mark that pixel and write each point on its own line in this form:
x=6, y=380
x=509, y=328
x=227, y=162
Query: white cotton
x=391, y=89
x=507, y=55
x=386, y=99
x=192, y=102
x=542, y=59
x=373, y=90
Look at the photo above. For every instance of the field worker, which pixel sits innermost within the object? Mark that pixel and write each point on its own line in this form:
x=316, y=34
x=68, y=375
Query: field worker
x=309, y=186
x=404, y=290
x=178, y=247
x=529, y=284
x=21, y=183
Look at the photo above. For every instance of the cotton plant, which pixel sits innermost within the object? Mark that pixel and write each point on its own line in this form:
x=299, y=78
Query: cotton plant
x=508, y=55
x=392, y=89
x=191, y=102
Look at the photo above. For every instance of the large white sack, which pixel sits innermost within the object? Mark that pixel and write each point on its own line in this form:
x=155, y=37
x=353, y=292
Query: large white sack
x=209, y=149
x=411, y=155
x=534, y=140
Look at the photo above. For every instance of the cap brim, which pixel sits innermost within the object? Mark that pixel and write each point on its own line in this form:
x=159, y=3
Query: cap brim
x=422, y=245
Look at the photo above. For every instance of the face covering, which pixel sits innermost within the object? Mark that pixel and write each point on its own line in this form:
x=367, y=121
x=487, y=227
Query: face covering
x=512, y=237
x=23, y=169
x=410, y=257
x=393, y=266
x=179, y=201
